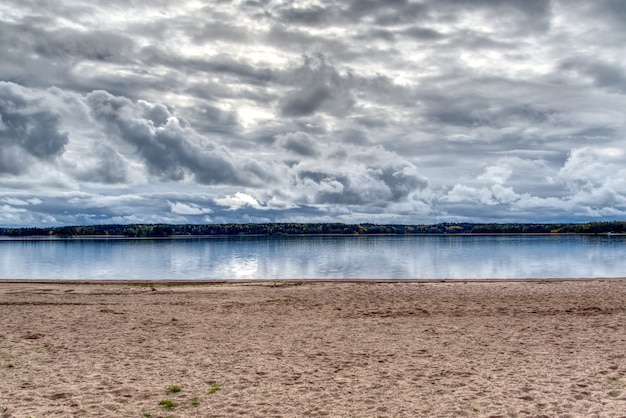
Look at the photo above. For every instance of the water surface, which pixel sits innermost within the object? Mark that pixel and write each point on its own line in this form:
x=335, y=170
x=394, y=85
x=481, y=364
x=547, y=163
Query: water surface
x=317, y=257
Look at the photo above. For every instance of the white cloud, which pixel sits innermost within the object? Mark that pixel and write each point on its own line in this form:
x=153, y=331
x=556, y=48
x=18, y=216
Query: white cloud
x=21, y=202
x=15, y=202
x=7, y=209
x=496, y=174
x=180, y=208
x=461, y=193
x=238, y=201
x=590, y=167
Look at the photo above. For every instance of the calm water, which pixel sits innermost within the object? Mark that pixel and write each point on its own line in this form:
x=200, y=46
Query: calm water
x=397, y=257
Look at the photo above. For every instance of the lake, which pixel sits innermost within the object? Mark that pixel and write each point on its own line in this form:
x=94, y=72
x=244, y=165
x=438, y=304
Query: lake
x=317, y=257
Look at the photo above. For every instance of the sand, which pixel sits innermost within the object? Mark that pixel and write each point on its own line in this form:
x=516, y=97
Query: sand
x=292, y=349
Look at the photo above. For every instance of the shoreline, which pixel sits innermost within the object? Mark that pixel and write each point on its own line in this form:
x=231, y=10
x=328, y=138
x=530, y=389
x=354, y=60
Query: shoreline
x=293, y=281
x=284, y=235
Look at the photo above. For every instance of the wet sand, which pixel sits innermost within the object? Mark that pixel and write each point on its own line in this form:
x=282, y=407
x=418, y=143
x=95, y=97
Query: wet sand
x=339, y=349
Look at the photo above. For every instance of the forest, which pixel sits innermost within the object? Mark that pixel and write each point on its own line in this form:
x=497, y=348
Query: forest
x=278, y=229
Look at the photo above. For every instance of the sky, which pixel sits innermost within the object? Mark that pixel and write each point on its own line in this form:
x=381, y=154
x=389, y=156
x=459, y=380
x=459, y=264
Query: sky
x=409, y=112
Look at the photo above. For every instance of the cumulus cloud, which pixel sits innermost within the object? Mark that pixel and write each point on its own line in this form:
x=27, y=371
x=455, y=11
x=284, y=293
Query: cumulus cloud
x=27, y=129
x=171, y=149
x=590, y=167
x=354, y=176
x=318, y=87
x=181, y=208
x=595, y=176
x=237, y=201
x=299, y=143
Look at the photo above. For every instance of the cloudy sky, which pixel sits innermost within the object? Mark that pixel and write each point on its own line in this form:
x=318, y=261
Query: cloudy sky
x=305, y=111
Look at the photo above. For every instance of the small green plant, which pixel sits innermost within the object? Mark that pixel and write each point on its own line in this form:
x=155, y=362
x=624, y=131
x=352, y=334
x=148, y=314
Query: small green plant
x=168, y=403
x=195, y=401
x=174, y=319
x=214, y=388
x=174, y=388
x=147, y=415
x=615, y=383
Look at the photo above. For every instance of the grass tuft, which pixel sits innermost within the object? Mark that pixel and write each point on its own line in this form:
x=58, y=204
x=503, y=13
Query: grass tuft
x=168, y=403
x=214, y=388
x=174, y=388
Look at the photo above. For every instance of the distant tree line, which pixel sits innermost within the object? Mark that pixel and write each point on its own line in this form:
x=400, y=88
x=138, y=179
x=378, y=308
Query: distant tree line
x=277, y=229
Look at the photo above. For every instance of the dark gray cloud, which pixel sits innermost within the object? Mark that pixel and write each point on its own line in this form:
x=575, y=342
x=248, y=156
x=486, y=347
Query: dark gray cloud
x=65, y=44
x=613, y=11
x=423, y=34
x=310, y=16
x=522, y=16
x=27, y=127
x=54, y=53
x=334, y=189
x=299, y=143
x=170, y=148
x=352, y=176
x=299, y=41
x=109, y=168
x=318, y=87
x=602, y=74
x=400, y=181
x=528, y=7
x=387, y=13
x=221, y=65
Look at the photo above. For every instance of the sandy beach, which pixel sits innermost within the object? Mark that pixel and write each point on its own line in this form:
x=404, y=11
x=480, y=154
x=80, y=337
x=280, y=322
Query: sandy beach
x=291, y=349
